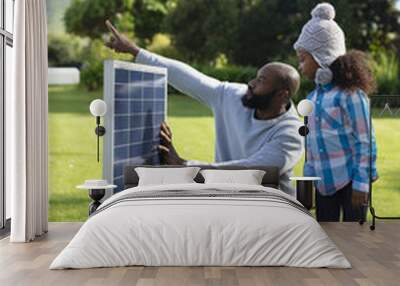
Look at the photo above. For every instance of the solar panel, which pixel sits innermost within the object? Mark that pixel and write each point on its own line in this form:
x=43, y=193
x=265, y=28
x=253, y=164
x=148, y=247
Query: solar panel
x=136, y=106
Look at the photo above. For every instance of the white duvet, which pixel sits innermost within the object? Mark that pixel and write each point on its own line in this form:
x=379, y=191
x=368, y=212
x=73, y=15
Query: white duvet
x=183, y=231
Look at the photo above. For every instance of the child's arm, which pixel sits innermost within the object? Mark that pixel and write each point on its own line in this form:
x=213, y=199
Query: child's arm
x=357, y=111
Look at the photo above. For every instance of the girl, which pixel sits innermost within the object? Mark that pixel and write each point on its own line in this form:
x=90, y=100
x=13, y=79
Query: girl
x=338, y=142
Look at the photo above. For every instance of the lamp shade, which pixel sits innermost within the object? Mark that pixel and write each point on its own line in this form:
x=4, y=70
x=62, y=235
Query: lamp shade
x=305, y=107
x=98, y=107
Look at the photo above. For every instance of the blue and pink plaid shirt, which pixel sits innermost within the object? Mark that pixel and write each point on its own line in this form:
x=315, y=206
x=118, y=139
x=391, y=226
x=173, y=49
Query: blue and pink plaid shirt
x=338, y=142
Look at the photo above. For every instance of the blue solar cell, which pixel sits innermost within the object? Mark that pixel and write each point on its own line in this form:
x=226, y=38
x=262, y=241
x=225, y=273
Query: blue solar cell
x=135, y=76
x=148, y=79
x=118, y=169
x=147, y=148
x=148, y=93
x=148, y=120
x=159, y=93
x=136, y=86
x=121, y=76
x=148, y=134
x=121, y=91
x=136, y=106
x=136, y=135
x=159, y=106
x=135, y=121
x=121, y=138
x=120, y=153
x=135, y=91
x=136, y=150
x=148, y=105
x=121, y=107
x=121, y=122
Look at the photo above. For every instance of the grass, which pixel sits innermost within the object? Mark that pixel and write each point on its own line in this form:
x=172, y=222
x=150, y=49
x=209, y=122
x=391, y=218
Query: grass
x=73, y=149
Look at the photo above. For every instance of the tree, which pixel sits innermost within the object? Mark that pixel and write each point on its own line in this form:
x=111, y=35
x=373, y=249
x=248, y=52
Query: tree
x=142, y=18
x=149, y=17
x=86, y=17
x=201, y=29
x=266, y=31
x=252, y=32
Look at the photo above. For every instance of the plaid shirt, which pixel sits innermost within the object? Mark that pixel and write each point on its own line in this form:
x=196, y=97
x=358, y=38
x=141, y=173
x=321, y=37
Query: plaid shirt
x=338, y=142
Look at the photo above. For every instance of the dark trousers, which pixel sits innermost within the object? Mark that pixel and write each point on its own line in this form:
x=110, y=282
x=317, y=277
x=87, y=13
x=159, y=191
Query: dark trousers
x=328, y=208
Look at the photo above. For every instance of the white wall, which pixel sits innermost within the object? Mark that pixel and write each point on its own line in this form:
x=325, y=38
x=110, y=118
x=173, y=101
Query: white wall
x=63, y=76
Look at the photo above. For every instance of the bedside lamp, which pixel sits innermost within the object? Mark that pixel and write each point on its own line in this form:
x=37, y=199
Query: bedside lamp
x=98, y=108
x=305, y=107
x=304, y=185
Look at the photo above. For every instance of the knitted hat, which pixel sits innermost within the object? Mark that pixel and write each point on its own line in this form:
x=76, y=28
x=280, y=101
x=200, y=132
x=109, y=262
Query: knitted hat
x=323, y=39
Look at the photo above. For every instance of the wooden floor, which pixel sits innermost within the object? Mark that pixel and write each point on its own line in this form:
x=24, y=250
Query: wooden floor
x=375, y=257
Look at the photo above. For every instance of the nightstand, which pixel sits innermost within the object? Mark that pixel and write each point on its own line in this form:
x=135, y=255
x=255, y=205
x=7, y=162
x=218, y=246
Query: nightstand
x=97, y=190
x=304, y=190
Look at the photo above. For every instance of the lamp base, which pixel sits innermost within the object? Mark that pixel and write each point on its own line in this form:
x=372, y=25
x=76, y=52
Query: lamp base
x=303, y=130
x=100, y=130
x=304, y=193
x=96, y=195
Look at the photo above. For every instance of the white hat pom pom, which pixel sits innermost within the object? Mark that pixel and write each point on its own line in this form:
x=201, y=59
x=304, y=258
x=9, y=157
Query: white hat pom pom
x=323, y=76
x=324, y=11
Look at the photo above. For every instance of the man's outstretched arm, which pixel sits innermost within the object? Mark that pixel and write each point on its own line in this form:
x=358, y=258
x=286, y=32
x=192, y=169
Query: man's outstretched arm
x=181, y=76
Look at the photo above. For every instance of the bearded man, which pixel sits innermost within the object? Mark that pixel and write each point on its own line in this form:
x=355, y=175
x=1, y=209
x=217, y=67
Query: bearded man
x=256, y=123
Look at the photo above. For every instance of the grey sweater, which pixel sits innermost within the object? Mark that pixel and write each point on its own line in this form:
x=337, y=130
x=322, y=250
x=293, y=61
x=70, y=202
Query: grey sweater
x=241, y=139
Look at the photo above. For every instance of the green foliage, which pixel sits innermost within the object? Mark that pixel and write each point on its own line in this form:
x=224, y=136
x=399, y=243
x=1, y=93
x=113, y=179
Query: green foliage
x=148, y=16
x=259, y=38
x=161, y=45
x=387, y=73
x=203, y=29
x=142, y=18
x=86, y=17
x=64, y=50
x=92, y=75
x=230, y=73
x=228, y=34
x=253, y=32
x=92, y=69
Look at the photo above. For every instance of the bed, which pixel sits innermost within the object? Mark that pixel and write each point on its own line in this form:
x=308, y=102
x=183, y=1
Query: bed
x=197, y=224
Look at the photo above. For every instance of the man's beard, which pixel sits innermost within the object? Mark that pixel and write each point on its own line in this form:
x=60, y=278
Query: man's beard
x=258, y=101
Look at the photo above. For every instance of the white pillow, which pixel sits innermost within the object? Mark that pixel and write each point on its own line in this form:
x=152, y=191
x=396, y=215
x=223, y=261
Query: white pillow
x=163, y=176
x=248, y=177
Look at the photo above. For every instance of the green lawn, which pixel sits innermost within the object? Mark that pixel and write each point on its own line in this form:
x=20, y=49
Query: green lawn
x=73, y=149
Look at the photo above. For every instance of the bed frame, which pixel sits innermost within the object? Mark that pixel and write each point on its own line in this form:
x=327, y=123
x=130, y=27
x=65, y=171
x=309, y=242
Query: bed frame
x=270, y=179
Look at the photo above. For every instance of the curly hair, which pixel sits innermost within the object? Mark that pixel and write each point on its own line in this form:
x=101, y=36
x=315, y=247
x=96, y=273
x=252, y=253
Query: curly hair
x=353, y=71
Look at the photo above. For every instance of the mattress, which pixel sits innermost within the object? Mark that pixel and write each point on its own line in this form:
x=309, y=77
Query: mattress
x=201, y=225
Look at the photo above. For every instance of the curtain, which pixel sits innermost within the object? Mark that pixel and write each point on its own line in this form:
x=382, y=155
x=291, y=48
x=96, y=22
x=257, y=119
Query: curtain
x=26, y=124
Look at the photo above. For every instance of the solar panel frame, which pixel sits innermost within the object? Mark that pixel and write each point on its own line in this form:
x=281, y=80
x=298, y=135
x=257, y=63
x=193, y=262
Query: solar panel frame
x=112, y=98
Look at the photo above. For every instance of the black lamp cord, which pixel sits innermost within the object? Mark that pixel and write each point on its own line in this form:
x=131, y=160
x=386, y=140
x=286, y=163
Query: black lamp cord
x=305, y=138
x=98, y=137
